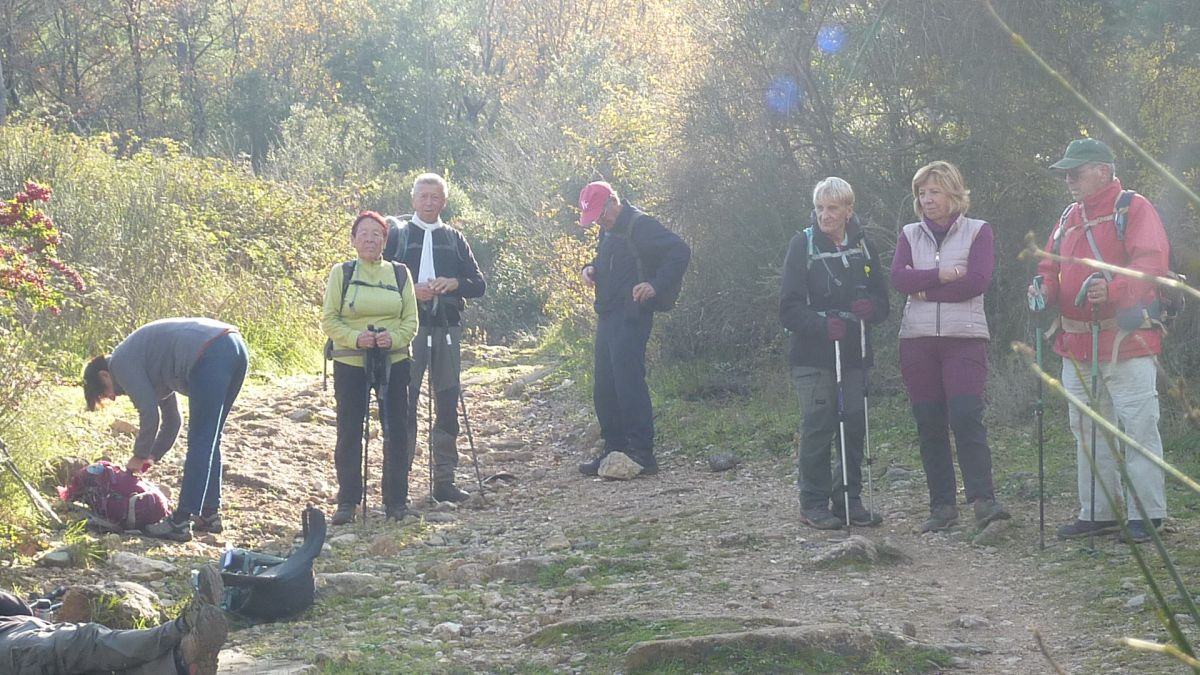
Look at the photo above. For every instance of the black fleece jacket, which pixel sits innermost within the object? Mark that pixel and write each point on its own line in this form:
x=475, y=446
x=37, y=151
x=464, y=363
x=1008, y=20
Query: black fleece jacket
x=828, y=284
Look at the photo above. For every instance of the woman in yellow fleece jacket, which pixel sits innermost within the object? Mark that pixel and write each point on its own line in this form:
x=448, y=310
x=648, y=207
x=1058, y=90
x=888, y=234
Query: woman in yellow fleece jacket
x=378, y=294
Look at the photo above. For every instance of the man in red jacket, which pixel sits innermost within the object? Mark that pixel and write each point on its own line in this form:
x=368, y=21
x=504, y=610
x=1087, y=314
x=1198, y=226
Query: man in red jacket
x=1123, y=307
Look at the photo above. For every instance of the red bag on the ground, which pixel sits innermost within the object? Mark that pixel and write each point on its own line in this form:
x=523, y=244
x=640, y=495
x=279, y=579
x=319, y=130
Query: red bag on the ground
x=117, y=495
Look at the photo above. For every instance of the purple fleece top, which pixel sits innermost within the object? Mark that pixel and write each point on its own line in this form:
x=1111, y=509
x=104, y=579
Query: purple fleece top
x=980, y=263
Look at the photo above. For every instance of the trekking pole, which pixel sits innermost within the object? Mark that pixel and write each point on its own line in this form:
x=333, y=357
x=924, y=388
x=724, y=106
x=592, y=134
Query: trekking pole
x=429, y=408
x=368, y=369
x=381, y=377
x=1079, y=300
x=862, y=326
x=1037, y=304
x=462, y=401
x=841, y=407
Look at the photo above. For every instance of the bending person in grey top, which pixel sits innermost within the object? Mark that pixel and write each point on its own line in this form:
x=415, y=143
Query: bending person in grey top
x=202, y=359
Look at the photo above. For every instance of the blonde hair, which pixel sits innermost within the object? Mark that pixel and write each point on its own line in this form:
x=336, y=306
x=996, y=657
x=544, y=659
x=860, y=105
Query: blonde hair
x=947, y=177
x=834, y=188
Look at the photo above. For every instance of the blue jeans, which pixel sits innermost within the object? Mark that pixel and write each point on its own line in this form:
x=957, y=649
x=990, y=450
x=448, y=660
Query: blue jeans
x=213, y=385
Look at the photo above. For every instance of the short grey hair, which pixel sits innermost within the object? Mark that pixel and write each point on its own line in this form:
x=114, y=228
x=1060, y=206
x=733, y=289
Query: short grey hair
x=431, y=179
x=1112, y=169
x=834, y=188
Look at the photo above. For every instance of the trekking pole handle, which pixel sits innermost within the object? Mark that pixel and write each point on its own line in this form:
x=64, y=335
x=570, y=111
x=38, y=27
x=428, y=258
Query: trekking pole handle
x=1037, y=301
x=1082, y=296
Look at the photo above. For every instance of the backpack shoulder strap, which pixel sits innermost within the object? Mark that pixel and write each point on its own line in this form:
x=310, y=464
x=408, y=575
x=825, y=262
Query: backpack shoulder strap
x=1061, y=229
x=347, y=273
x=1121, y=212
x=401, y=271
x=808, y=236
x=397, y=240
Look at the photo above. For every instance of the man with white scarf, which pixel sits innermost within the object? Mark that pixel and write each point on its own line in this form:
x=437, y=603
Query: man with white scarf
x=445, y=273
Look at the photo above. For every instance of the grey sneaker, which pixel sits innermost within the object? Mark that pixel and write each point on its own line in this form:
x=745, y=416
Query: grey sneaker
x=988, y=511
x=1083, y=528
x=167, y=528
x=821, y=518
x=940, y=518
x=1139, y=533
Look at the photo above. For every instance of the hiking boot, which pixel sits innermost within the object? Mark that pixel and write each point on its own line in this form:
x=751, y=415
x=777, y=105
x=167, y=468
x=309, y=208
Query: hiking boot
x=399, y=512
x=344, y=514
x=168, y=528
x=210, y=524
x=940, y=518
x=1139, y=533
x=210, y=589
x=1084, y=528
x=821, y=518
x=647, y=462
x=859, y=515
x=988, y=511
x=592, y=467
x=449, y=492
x=207, y=630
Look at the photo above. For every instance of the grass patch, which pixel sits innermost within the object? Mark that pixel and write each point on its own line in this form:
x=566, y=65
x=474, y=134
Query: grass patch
x=744, y=660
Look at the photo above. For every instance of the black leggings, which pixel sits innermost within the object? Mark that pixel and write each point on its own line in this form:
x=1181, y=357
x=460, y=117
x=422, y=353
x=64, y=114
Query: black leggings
x=350, y=392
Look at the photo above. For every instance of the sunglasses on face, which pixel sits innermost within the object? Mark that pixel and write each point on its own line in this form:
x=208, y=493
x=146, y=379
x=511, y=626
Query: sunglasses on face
x=1077, y=172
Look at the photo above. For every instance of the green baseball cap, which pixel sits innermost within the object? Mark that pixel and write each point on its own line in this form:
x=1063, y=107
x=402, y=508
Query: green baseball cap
x=1084, y=150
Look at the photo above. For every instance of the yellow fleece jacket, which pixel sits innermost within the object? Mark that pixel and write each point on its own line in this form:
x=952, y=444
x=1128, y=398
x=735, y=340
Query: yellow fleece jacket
x=374, y=304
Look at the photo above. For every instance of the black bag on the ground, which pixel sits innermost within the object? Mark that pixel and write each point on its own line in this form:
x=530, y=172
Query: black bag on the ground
x=266, y=587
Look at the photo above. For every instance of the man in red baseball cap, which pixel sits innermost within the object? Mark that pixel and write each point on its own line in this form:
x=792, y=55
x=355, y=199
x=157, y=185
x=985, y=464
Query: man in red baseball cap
x=638, y=270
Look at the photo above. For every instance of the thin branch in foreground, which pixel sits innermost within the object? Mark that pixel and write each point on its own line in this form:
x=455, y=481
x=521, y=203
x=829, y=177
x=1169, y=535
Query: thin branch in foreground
x=1033, y=249
x=1169, y=650
x=1041, y=643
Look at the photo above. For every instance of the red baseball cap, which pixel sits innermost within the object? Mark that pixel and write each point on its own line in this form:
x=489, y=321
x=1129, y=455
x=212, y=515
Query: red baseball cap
x=592, y=199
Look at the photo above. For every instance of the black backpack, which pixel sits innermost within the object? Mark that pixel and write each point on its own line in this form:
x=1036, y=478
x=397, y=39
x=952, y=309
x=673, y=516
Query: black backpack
x=266, y=587
x=347, y=273
x=664, y=298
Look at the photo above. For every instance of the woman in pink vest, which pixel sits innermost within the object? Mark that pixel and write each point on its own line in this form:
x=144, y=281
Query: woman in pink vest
x=944, y=263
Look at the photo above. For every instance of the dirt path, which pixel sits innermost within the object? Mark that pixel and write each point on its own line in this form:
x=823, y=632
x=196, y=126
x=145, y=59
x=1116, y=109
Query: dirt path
x=686, y=552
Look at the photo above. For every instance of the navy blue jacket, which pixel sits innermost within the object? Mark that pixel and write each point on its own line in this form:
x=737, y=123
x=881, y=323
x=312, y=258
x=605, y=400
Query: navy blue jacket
x=663, y=254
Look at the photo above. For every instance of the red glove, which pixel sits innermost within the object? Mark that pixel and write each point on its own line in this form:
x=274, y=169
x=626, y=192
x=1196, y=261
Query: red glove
x=863, y=308
x=835, y=328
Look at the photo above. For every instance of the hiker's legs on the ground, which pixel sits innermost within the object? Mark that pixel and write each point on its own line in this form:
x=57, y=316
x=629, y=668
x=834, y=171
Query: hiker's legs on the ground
x=628, y=355
x=416, y=374
x=604, y=391
x=447, y=362
x=1081, y=428
x=213, y=385
x=350, y=395
x=395, y=455
x=964, y=381
x=41, y=647
x=1133, y=389
x=816, y=389
x=921, y=370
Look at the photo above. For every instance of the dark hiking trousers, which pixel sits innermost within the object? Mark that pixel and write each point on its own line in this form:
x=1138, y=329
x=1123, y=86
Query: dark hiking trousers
x=619, y=389
x=37, y=646
x=443, y=362
x=965, y=415
x=350, y=393
x=819, y=444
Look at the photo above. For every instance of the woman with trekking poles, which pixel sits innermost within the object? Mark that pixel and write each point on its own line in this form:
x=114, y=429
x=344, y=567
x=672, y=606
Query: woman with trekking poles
x=831, y=289
x=202, y=359
x=944, y=263
x=370, y=316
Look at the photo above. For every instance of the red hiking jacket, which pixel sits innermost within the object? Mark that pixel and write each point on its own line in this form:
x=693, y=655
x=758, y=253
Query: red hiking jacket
x=1145, y=249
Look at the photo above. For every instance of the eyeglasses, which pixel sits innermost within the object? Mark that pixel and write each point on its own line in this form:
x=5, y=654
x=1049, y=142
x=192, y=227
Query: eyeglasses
x=1074, y=174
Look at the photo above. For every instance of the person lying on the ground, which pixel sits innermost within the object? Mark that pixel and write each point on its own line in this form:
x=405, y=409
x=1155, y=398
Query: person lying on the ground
x=370, y=292
x=202, y=359
x=832, y=287
x=188, y=645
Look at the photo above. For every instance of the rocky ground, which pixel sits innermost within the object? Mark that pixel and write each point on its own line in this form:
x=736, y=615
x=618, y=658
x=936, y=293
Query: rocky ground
x=695, y=570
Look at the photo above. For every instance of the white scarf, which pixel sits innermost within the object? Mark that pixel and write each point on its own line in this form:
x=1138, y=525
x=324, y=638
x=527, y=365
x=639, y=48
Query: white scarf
x=426, y=272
